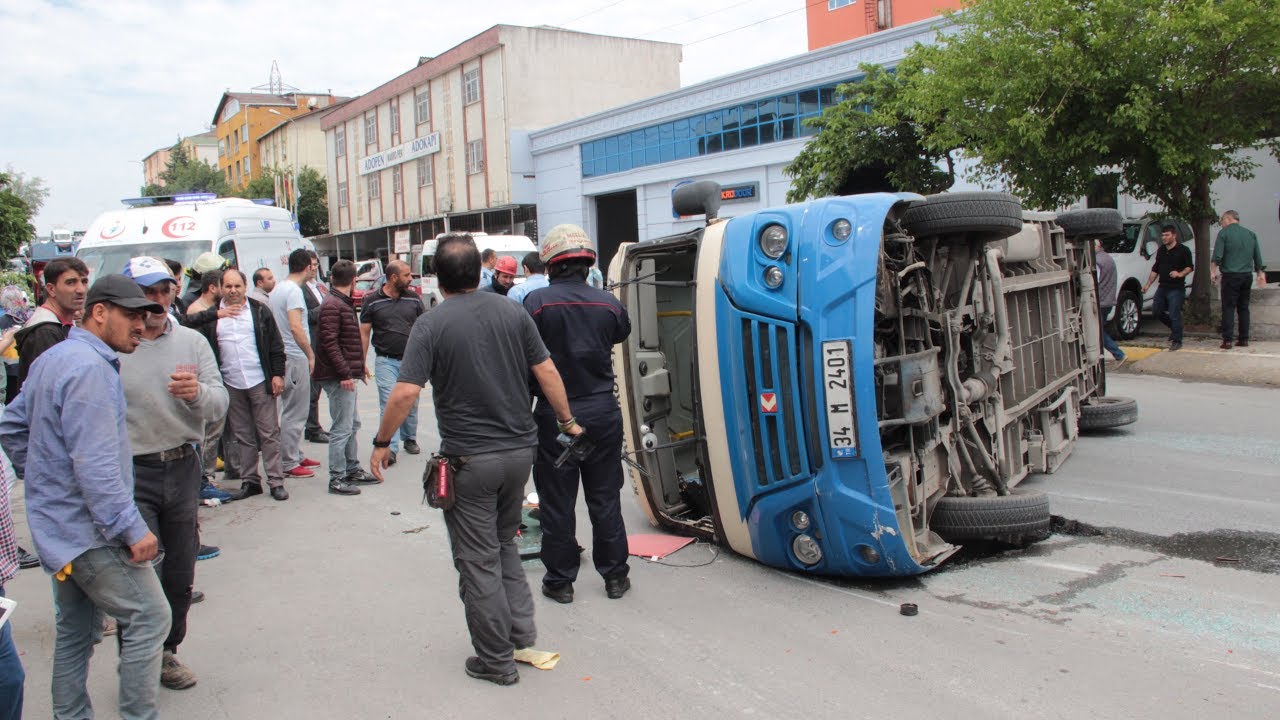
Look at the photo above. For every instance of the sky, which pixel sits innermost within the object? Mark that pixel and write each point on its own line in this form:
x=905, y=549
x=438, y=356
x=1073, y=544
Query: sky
x=88, y=89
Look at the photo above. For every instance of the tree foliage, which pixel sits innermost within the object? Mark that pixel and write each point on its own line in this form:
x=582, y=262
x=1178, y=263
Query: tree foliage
x=32, y=189
x=313, y=205
x=1043, y=95
x=184, y=173
x=871, y=142
x=15, y=219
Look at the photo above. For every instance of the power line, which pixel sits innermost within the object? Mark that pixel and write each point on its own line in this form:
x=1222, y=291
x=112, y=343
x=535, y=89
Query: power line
x=758, y=22
x=593, y=12
x=686, y=22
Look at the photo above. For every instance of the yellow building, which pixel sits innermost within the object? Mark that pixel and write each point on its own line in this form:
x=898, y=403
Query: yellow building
x=242, y=117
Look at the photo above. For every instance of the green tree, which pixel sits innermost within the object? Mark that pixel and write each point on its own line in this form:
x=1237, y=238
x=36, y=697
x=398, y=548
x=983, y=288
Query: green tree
x=313, y=203
x=15, y=219
x=32, y=189
x=1044, y=95
x=263, y=186
x=871, y=142
x=184, y=173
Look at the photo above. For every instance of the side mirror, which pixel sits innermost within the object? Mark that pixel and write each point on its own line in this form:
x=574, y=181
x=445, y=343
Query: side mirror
x=1149, y=248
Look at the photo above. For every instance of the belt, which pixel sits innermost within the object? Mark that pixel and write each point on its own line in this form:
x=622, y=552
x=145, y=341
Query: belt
x=166, y=455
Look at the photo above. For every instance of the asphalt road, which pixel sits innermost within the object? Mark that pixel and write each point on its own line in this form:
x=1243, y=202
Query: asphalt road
x=333, y=607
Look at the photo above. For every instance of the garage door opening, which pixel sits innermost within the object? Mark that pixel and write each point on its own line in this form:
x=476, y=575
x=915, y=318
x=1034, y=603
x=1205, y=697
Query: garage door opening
x=617, y=222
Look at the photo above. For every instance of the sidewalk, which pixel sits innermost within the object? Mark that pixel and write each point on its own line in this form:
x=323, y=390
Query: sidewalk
x=1201, y=360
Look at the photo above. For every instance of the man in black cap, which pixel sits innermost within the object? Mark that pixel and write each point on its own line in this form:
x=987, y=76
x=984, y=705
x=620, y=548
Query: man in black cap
x=67, y=434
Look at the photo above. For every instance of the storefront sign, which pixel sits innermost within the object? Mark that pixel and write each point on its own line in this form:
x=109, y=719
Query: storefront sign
x=404, y=152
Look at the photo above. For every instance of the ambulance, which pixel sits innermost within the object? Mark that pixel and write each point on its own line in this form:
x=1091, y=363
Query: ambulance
x=250, y=234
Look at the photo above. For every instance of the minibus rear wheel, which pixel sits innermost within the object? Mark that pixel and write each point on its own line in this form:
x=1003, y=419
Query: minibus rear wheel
x=994, y=215
x=1020, y=514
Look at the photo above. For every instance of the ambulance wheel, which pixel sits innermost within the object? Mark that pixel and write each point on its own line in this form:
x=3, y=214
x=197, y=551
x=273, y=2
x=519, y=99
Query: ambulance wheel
x=993, y=215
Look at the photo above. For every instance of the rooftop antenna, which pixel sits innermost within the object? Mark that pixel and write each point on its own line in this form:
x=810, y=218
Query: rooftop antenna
x=275, y=84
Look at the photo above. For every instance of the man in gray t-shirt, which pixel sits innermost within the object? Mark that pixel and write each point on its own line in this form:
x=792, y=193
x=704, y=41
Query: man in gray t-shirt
x=477, y=350
x=290, y=311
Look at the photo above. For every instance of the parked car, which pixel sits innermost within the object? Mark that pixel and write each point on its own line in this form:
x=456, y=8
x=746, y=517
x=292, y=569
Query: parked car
x=857, y=385
x=362, y=286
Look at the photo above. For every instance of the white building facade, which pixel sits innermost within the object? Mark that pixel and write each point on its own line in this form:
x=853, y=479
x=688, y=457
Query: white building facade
x=613, y=173
x=445, y=146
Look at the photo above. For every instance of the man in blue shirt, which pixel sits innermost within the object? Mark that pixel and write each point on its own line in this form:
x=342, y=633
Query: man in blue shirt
x=535, y=273
x=67, y=435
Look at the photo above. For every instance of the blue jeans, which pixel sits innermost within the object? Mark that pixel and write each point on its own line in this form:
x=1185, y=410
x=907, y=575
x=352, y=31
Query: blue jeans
x=343, y=456
x=12, y=676
x=1108, y=343
x=385, y=372
x=1167, y=307
x=105, y=578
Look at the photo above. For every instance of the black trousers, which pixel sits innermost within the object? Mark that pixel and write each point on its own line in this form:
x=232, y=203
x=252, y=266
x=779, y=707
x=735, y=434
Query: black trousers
x=1235, y=302
x=313, y=411
x=601, y=477
x=167, y=494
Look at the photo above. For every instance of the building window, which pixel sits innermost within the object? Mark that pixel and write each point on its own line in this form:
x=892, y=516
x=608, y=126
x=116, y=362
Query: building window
x=244, y=133
x=374, y=184
x=228, y=174
x=342, y=194
x=222, y=147
x=759, y=122
x=371, y=128
x=422, y=106
x=837, y=4
x=396, y=184
x=246, y=165
x=395, y=120
x=471, y=86
x=235, y=143
x=475, y=157
x=424, y=172
x=340, y=140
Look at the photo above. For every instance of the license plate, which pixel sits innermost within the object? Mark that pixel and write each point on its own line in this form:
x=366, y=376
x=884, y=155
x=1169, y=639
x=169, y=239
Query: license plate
x=837, y=386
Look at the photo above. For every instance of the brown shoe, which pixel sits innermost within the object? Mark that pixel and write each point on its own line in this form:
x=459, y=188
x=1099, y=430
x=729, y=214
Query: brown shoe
x=174, y=675
x=1226, y=345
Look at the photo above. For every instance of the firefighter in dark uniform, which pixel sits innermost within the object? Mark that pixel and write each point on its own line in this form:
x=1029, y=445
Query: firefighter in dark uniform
x=580, y=325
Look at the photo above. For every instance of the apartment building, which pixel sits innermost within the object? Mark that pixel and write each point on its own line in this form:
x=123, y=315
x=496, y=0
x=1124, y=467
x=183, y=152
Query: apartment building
x=445, y=146
x=836, y=21
x=293, y=144
x=242, y=117
x=202, y=147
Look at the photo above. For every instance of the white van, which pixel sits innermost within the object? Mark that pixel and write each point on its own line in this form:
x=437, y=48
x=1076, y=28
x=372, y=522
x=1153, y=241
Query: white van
x=248, y=234
x=514, y=246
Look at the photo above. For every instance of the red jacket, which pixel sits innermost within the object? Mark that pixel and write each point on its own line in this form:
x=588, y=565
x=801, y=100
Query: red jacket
x=339, y=352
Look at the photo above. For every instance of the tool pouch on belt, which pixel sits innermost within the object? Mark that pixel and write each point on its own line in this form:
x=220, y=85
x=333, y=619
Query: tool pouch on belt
x=437, y=480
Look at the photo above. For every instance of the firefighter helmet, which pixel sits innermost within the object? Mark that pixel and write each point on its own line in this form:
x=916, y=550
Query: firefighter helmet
x=566, y=242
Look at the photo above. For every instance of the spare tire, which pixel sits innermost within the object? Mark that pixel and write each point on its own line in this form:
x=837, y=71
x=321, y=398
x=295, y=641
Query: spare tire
x=1094, y=222
x=1016, y=515
x=992, y=214
x=1101, y=413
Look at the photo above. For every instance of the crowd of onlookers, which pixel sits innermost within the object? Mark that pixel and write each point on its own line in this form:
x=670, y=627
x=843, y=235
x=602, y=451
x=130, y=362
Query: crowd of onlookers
x=125, y=400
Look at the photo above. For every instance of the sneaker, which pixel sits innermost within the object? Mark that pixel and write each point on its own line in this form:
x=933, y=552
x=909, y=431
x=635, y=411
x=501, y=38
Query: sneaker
x=173, y=674
x=360, y=477
x=209, y=491
x=476, y=669
x=1175, y=347
x=411, y=447
x=338, y=487
x=27, y=560
x=208, y=552
x=299, y=472
x=309, y=463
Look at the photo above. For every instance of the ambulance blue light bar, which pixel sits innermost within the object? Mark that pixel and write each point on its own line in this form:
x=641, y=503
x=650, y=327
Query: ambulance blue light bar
x=168, y=199
x=264, y=201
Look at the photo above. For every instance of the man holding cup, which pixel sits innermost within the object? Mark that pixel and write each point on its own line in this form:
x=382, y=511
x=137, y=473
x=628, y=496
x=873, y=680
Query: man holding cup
x=174, y=389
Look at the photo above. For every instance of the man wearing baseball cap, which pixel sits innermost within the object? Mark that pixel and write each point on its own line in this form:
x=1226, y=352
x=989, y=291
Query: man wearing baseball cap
x=66, y=434
x=174, y=391
x=504, y=276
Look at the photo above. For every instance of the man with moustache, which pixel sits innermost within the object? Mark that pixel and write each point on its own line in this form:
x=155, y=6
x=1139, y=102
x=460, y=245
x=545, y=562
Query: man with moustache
x=67, y=434
x=166, y=422
x=386, y=316
x=66, y=279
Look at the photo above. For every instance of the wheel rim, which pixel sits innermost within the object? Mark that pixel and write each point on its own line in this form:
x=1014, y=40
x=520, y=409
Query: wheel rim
x=1129, y=317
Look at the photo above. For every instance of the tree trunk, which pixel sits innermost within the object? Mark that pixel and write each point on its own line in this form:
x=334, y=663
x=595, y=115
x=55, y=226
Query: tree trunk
x=1201, y=221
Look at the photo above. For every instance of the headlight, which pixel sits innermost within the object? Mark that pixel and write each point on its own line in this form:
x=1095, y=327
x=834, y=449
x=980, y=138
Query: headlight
x=773, y=241
x=773, y=276
x=842, y=229
x=800, y=520
x=806, y=550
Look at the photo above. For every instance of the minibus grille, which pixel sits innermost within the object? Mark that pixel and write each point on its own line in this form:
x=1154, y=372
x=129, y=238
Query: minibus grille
x=769, y=364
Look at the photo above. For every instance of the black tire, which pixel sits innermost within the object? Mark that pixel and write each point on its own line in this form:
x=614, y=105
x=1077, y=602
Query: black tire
x=1091, y=223
x=1017, y=515
x=1103, y=413
x=991, y=214
x=1128, y=315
